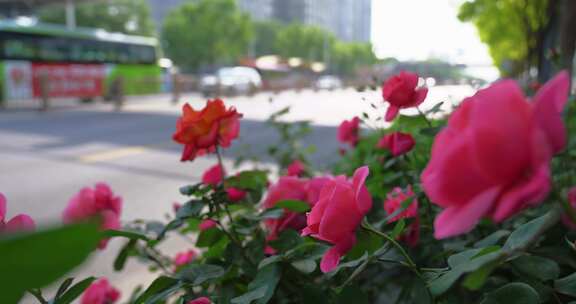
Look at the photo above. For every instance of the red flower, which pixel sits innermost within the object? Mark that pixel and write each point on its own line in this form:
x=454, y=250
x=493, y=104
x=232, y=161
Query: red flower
x=100, y=292
x=207, y=224
x=398, y=143
x=400, y=92
x=235, y=194
x=185, y=257
x=335, y=217
x=394, y=202
x=296, y=168
x=493, y=158
x=348, y=131
x=18, y=223
x=97, y=201
x=201, y=131
x=213, y=176
x=202, y=300
x=287, y=188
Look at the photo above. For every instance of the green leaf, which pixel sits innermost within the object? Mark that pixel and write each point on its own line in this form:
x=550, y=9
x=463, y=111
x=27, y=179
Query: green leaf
x=566, y=285
x=527, y=232
x=74, y=291
x=305, y=266
x=209, y=237
x=217, y=249
x=398, y=228
x=65, y=284
x=126, y=234
x=159, y=286
x=270, y=260
x=512, y=293
x=436, y=108
x=294, y=205
x=492, y=239
x=272, y=213
x=254, y=180
x=537, y=267
x=476, y=279
x=47, y=254
x=200, y=273
x=262, y=287
x=352, y=294
x=122, y=256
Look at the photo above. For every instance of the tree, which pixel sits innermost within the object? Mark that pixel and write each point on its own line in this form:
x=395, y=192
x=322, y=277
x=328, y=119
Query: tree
x=307, y=42
x=206, y=32
x=265, y=34
x=125, y=16
x=510, y=28
x=347, y=56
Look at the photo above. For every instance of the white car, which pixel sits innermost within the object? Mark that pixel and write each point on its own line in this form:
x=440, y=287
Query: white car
x=231, y=81
x=328, y=82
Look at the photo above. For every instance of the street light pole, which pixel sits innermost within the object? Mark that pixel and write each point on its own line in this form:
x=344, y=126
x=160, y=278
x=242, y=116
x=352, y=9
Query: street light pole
x=70, y=14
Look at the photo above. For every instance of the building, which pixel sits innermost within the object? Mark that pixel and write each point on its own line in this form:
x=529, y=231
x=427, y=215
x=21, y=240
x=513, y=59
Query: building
x=348, y=20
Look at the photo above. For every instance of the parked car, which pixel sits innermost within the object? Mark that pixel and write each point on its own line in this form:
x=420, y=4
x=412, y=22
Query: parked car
x=328, y=82
x=231, y=81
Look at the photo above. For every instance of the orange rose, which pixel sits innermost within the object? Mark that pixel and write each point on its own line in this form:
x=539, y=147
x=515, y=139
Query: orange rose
x=201, y=131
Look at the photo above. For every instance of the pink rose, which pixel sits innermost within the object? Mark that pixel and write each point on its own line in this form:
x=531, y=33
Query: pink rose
x=567, y=220
x=493, y=158
x=398, y=143
x=348, y=131
x=314, y=187
x=202, y=300
x=207, y=224
x=185, y=257
x=89, y=203
x=337, y=214
x=21, y=222
x=296, y=168
x=213, y=176
x=100, y=292
x=287, y=188
x=400, y=92
x=235, y=194
x=394, y=202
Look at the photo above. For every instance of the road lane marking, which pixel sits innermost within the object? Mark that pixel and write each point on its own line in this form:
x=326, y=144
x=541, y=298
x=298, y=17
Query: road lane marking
x=113, y=154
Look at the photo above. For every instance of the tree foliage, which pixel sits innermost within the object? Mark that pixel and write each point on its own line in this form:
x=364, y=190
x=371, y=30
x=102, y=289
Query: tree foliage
x=510, y=28
x=206, y=32
x=346, y=56
x=124, y=16
x=308, y=42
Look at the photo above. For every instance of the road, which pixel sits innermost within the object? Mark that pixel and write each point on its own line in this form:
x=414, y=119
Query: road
x=45, y=158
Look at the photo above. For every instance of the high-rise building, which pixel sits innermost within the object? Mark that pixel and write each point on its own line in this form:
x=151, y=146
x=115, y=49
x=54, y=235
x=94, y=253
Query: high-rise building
x=258, y=9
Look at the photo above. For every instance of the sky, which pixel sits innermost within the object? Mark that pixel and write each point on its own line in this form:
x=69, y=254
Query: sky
x=422, y=29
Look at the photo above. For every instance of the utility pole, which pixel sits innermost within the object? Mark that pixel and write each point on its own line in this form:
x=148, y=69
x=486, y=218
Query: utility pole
x=70, y=14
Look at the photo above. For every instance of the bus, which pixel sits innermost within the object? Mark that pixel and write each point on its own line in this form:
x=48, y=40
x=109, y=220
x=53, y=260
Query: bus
x=81, y=63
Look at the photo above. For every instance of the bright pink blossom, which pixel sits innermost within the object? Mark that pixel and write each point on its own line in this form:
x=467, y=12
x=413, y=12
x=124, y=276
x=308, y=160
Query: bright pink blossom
x=202, y=300
x=93, y=202
x=176, y=206
x=567, y=220
x=21, y=222
x=235, y=194
x=201, y=131
x=337, y=214
x=296, y=168
x=287, y=188
x=400, y=91
x=100, y=292
x=493, y=158
x=207, y=224
x=314, y=187
x=397, y=143
x=348, y=131
x=394, y=202
x=185, y=257
x=213, y=176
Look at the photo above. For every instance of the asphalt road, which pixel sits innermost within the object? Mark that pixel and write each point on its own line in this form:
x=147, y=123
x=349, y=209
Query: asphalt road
x=45, y=158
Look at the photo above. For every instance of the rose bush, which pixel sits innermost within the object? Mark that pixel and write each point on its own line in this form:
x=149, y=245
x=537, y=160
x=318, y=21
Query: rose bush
x=476, y=207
